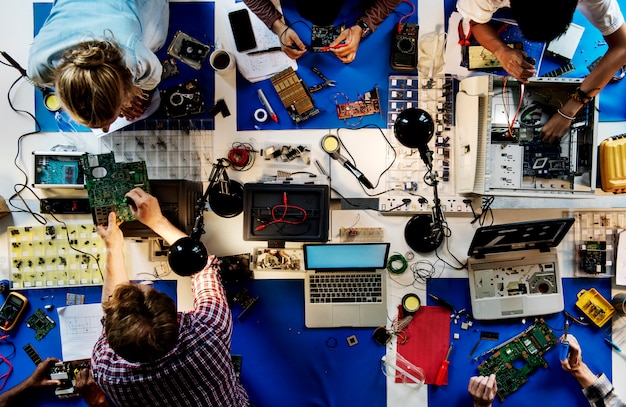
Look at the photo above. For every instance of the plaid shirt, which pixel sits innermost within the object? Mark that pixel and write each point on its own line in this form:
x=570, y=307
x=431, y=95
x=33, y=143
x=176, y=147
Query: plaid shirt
x=197, y=372
x=601, y=394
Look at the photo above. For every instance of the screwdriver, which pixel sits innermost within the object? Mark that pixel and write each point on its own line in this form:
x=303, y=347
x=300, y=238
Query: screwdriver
x=564, y=342
x=442, y=374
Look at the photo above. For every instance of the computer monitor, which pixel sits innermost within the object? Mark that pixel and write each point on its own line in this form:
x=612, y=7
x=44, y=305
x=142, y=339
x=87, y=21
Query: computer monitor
x=279, y=213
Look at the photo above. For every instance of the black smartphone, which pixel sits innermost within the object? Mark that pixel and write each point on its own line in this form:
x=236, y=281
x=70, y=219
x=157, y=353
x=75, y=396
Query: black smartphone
x=11, y=310
x=242, y=30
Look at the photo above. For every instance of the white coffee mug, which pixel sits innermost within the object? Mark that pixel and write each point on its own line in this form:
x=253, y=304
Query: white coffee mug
x=222, y=61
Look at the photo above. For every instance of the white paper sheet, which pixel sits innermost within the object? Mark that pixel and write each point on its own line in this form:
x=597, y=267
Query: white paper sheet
x=258, y=67
x=80, y=329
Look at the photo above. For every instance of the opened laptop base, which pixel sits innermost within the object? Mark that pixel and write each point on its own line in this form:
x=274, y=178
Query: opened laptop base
x=518, y=284
x=514, y=269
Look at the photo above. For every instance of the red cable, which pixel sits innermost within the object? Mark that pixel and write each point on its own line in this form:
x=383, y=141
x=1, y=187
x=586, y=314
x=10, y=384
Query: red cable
x=282, y=219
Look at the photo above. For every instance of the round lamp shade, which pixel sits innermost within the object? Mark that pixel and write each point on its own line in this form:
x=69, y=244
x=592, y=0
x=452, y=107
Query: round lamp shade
x=414, y=128
x=187, y=256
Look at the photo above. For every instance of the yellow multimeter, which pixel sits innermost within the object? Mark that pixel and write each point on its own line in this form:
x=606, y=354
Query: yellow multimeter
x=11, y=310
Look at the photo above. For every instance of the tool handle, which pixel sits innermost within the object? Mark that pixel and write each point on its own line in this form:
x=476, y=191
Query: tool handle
x=564, y=350
x=442, y=373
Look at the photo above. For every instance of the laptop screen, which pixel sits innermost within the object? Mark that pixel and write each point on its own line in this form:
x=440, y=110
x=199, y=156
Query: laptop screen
x=345, y=256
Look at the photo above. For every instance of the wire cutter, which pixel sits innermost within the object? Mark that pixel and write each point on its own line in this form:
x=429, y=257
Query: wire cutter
x=327, y=82
x=464, y=40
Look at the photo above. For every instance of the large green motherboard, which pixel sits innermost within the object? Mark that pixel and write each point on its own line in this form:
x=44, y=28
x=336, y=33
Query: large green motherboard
x=108, y=181
x=516, y=359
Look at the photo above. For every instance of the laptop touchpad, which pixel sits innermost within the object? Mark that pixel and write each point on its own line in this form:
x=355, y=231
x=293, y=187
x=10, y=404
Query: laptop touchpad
x=512, y=306
x=345, y=315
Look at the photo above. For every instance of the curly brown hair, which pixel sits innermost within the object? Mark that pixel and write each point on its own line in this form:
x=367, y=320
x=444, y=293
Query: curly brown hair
x=141, y=323
x=93, y=83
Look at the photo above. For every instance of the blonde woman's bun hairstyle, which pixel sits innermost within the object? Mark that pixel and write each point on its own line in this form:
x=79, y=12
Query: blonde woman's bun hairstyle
x=93, y=83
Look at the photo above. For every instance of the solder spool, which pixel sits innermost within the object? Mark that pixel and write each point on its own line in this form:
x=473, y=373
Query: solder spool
x=411, y=303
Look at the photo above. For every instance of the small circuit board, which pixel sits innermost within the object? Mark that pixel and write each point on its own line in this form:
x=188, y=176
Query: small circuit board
x=368, y=104
x=108, y=181
x=323, y=36
x=41, y=323
x=516, y=359
x=353, y=235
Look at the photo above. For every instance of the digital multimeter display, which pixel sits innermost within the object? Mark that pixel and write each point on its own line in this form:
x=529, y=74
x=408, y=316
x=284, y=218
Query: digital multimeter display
x=11, y=310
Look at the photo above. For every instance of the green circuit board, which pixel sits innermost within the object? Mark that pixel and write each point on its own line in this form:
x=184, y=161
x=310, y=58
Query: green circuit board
x=516, y=359
x=108, y=181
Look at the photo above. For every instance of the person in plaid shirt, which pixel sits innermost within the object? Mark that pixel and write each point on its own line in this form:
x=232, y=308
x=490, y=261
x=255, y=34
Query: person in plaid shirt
x=149, y=354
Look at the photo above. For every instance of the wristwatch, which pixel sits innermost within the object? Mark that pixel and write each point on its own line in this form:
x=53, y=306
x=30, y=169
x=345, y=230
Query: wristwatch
x=364, y=27
x=581, y=96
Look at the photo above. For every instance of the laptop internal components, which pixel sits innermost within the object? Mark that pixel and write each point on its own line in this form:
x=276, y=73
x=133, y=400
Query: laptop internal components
x=527, y=347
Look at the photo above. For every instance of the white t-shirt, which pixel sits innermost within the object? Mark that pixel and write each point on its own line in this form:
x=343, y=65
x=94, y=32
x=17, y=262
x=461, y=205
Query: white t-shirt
x=605, y=15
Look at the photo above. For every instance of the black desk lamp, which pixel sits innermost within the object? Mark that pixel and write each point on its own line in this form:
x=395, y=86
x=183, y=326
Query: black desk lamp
x=188, y=255
x=414, y=128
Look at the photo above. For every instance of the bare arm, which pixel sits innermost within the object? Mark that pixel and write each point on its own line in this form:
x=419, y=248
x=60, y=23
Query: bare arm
x=512, y=60
x=146, y=209
x=612, y=61
x=38, y=379
x=351, y=37
x=575, y=365
x=115, y=268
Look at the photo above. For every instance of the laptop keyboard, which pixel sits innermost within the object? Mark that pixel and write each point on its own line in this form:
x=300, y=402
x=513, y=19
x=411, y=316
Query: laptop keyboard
x=345, y=287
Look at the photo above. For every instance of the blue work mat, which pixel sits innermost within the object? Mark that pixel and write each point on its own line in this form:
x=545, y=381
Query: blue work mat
x=369, y=70
x=286, y=364
x=552, y=383
x=193, y=18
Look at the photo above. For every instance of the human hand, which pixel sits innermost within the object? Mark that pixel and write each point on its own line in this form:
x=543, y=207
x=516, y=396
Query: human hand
x=89, y=390
x=555, y=128
x=144, y=207
x=137, y=106
x=346, y=44
x=574, y=356
x=41, y=377
x=111, y=234
x=514, y=61
x=290, y=42
x=483, y=390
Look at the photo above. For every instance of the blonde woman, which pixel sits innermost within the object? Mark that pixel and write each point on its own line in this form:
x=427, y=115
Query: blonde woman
x=99, y=57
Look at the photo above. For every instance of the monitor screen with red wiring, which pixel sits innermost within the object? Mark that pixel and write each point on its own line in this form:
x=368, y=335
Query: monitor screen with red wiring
x=279, y=213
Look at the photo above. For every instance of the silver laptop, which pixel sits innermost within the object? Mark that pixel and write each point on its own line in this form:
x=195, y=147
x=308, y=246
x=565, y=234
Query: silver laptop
x=345, y=285
x=514, y=269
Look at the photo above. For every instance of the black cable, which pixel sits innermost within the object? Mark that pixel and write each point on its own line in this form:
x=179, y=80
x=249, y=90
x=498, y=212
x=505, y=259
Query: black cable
x=23, y=185
x=382, y=133
x=69, y=242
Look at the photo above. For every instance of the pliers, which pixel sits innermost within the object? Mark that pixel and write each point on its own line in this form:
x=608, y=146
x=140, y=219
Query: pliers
x=327, y=82
x=464, y=40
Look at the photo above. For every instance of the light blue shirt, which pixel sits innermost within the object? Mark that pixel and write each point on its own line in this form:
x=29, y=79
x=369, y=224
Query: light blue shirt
x=138, y=26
